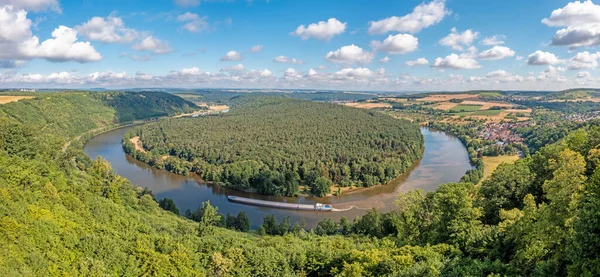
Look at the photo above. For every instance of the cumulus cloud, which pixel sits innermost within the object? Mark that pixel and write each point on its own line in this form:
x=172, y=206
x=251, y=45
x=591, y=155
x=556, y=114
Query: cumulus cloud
x=398, y=44
x=265, y=73
x=232, y=56
x=237, y=67
x=321, y=30
x=493, y=40
x=419, y=61
x=109, y=30
x=496, y=53
x=502, y=76
x=154, y=45
x=542, y=58
x=582, y=22
x=583, y=75
x=458, y=41
x=143, y=58
x=193, y=22
x=33, y=5
x=284, y=59
x=454, y=61
x=583, y=59
x=350, y=54
x=187, y=3
x=384, y=59
x=256, y=48
x=19, y=44
x=422, y=16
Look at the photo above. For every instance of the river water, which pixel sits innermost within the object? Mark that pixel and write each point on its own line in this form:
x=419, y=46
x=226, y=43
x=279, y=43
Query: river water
x=444, y=160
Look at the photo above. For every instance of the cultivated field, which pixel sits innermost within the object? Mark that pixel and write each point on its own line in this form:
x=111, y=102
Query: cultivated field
x=8, y=98
x=447, y=97
x=491, y=163
x=367, y=105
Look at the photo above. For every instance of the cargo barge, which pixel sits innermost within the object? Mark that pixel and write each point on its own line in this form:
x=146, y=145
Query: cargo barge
x=281, y=205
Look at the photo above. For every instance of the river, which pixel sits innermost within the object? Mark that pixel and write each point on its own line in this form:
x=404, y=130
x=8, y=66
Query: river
x=444, y=160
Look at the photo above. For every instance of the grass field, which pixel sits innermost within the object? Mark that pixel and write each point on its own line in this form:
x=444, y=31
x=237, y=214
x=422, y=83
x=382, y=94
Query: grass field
x=486, y=112
x=491, y=163
x=464, y=108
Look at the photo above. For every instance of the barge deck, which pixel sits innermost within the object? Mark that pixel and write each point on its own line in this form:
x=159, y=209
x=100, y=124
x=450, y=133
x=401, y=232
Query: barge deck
x=281, y=205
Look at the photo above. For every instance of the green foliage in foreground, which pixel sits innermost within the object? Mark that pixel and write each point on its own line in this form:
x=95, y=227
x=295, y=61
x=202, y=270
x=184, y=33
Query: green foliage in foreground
x=537, y=217
x=271, y=145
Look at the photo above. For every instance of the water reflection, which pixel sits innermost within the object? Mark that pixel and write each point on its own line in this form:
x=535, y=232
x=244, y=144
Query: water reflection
x=444, y=160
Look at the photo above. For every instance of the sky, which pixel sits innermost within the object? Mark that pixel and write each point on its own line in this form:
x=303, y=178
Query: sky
x=347, y=45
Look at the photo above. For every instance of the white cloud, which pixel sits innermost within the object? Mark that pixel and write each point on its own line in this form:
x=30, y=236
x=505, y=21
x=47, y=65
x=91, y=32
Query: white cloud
x=256, y=48
x=398, y=44
x=582, y=22
x=187, y=3
x=144, y=58
x=542, y=58
x=458, y=41
x=496, y=53
x=237, y=67
x=109, y=30
x=232, y=56
x=194, y=23
x=18, y=44
x=501, y=76
x=284, y=59
x=493, y=40
x=265, y=73
x=583, y=59
x=454, y=61
x=107, y=76
x=33, y=5
x=518, y=58
x=422, y=16
x=419, y=61
x=350, y=54
x=154, y=45
x=384, y=59
x=583, y=75
x=321, y=30
x=140, y=76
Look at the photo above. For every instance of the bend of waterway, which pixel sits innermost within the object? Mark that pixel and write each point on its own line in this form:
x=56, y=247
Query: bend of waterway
x=445, y=160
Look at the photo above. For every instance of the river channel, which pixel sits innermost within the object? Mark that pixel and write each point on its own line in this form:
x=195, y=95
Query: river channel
x=444, y=160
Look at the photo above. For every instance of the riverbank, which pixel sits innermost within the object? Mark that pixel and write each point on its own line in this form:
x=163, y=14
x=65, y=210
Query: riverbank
x=444, y=160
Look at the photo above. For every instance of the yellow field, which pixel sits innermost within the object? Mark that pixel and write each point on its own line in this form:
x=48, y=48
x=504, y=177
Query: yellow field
x=486, y=105
x=364, y=105
x=491, y=163
x=8, y=98
x=446, y=97
x=444, y=106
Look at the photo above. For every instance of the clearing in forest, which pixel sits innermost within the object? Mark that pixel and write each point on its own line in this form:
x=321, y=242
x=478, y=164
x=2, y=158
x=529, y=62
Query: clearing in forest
x=367, y=105
x=9, y=98
x=491, y=163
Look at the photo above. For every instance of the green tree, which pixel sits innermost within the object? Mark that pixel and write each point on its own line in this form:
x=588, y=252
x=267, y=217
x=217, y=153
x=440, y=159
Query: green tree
x=243, y=222
x=210, y=219
x=168, y=204
x=321, y=186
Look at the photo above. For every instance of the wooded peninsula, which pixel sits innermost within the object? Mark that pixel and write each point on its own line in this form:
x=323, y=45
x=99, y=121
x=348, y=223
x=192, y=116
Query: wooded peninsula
x=274, y=145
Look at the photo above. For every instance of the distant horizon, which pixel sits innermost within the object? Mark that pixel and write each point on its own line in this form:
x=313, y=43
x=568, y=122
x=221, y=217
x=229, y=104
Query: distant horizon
x=413, y=45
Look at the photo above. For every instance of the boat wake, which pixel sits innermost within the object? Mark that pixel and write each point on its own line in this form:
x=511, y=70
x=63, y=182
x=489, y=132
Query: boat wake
x=347, y=209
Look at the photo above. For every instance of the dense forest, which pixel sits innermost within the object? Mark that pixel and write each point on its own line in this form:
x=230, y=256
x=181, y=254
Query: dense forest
x=272, y=145
x=537, y=217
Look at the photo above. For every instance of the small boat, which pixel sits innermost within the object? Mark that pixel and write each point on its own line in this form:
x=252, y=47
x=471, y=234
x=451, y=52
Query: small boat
x=281, y=205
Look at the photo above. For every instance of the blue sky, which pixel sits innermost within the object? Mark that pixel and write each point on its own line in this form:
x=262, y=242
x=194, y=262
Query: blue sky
x=429, y=45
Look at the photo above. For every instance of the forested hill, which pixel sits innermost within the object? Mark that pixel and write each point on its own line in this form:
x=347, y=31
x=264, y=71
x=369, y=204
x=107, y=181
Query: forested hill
x=272, y=145
x=73, y=113
x=537, y=217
